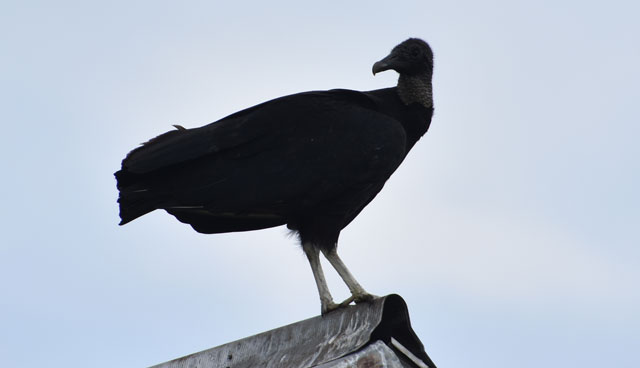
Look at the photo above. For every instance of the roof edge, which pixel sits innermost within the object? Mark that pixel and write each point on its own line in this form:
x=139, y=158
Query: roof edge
x=316, y=340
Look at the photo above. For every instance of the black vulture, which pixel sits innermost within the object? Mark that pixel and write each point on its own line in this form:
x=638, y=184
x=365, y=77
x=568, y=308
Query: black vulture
x=311, y=160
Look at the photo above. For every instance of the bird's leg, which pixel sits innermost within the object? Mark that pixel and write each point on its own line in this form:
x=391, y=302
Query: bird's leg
x=358, y=294
x=326, y=301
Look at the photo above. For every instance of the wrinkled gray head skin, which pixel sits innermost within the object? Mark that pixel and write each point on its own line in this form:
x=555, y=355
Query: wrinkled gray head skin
x=410, y=58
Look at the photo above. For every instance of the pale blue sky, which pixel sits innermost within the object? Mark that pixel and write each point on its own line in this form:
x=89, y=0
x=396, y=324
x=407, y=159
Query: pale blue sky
x=511, y=230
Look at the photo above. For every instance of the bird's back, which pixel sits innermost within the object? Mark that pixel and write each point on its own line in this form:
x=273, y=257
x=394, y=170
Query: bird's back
x=304, y=159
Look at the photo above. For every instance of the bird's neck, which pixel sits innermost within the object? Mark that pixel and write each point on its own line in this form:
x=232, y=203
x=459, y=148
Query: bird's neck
x=416, y=88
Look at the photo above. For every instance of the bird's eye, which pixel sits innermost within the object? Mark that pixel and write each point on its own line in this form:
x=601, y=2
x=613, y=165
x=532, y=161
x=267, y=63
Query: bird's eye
x=415, y=51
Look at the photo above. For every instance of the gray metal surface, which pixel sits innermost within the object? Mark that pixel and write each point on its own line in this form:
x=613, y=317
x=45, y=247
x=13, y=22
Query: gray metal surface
x=376, y=354
x=315, y=341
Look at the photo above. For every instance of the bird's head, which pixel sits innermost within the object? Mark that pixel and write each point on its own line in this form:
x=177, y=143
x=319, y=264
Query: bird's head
x=411, y=57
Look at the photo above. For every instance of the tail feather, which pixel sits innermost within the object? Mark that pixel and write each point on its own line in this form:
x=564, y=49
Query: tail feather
x=135, y=198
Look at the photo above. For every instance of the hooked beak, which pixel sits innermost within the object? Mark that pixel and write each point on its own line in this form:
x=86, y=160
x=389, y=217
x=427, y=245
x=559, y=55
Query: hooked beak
x=384, y=64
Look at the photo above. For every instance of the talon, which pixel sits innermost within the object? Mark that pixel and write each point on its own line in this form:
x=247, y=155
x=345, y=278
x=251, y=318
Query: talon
x=360, y=298
x=346, y=302
x=329, y=307
x=364, y=298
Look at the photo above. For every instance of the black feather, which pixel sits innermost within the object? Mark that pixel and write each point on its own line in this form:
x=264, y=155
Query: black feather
x=312, y=160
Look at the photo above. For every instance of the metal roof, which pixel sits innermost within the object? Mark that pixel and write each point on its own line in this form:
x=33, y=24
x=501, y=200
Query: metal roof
x=376, y=334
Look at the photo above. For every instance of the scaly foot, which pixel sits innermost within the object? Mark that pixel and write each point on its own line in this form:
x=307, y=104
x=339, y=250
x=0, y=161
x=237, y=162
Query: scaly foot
x=328, y=307
x=363, y=298
x=359, y=298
